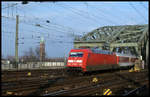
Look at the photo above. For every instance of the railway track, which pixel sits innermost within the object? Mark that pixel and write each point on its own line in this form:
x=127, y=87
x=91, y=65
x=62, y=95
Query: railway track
x=18, y=81
x=59, y=84
x=24, y=74
x=108, y=80
x=26, y=85
x=90, y=89
x=78, y=81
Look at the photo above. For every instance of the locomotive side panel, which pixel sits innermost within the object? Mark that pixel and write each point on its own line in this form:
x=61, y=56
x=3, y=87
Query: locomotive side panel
x=101, y=62
x=111, y=59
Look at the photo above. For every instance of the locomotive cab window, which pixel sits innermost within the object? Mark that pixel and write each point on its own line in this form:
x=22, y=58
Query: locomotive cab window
x=76, y=54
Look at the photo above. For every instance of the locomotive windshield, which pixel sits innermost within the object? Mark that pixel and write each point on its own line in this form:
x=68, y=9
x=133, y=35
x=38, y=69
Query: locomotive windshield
x=76, y=54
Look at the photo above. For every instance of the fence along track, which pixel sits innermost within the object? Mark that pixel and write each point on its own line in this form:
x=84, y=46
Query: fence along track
x=33, y=66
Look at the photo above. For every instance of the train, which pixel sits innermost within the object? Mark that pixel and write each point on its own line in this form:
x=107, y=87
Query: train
x=89, y=59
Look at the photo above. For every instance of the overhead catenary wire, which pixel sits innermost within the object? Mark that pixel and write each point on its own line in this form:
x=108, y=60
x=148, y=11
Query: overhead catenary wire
x=10, y=6
x=143, y=5
x=79, y=14
x=32, y=31
x=69, y=28
x=84, y=17
x=115, y=16
x=79, y=20
x=107, y=14
x=137, y=11
x=93, y=16
x=40, y=26
x=63, y=27
x=86, y=4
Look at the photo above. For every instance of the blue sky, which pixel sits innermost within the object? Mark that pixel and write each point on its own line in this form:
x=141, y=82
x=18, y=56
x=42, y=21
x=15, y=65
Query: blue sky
x=67, y=19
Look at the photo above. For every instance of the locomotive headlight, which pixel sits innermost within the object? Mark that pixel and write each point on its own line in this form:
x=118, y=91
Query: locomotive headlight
x=70, y=60
x=79, y=61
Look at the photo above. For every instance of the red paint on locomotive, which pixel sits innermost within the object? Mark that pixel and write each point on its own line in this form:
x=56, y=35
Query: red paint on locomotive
x=94, y=59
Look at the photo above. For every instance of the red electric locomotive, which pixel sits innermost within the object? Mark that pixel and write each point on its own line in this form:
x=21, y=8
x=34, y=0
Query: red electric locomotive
x=96, y=59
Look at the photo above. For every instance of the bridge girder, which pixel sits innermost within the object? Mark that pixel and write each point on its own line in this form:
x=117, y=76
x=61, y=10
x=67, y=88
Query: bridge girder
x=122, y=36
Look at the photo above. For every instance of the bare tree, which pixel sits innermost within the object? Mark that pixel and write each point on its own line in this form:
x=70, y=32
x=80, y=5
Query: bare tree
x=32, y=55
x=29, y=56
x=37, y=52
x=11, y=58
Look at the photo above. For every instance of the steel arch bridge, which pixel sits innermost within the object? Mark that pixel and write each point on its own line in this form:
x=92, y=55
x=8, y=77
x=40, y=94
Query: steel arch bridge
x=132, y=39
